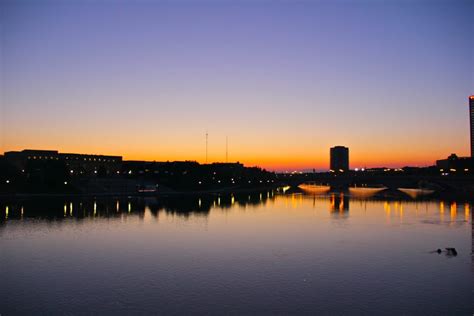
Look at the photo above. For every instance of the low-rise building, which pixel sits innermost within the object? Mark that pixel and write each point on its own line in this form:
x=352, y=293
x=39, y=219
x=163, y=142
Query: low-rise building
x=75, y=163
x=455, y=164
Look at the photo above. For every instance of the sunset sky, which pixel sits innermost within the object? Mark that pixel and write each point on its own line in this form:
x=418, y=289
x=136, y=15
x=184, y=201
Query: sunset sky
x=283, y=80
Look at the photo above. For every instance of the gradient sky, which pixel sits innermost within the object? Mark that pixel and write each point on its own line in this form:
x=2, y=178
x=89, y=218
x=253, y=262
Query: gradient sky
x=284, y=80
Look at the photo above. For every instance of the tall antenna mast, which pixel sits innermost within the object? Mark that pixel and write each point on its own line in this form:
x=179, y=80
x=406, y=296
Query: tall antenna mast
x=206, y=146
x=226, y=150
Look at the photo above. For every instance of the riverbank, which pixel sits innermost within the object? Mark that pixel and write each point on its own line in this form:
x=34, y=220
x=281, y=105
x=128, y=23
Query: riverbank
x=167, y=192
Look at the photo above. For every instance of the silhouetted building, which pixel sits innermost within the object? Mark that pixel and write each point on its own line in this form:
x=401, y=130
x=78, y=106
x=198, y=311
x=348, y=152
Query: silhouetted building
x=19, y=159
x=50, y=171
x=471, y=112
x=192, y=175
x=76, y=163
x=455, y=164
x=339, y=157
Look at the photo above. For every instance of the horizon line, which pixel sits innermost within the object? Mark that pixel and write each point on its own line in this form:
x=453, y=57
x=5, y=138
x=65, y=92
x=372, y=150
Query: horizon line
x=281, y=169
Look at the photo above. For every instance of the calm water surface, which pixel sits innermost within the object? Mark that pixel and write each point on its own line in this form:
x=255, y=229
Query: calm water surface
x=259, y=253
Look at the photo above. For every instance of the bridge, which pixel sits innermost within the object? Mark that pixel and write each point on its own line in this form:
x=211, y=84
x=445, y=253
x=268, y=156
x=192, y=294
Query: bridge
x=459, y=184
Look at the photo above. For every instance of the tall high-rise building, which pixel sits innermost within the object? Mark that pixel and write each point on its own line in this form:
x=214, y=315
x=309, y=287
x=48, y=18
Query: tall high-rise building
x=339, y=157
x=471, y=111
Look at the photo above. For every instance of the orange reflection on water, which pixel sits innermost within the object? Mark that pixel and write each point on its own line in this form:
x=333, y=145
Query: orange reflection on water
x=441, y=207
x=441, y=211
x=387, y=207
x=401, y=213
x=398, y=210
x=296, y=200
x=338, y=203
x=453, y=211
x=284, y=208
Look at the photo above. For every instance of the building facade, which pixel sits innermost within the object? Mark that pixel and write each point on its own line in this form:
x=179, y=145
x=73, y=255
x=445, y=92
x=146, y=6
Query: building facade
x=339, y=159
x=77, y=164
x=455, y=164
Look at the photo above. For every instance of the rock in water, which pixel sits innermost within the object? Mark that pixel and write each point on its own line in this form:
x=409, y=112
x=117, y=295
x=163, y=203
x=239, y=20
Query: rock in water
x=451, y=252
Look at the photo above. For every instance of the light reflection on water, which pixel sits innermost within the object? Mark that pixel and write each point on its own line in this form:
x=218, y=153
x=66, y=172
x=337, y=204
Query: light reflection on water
x=262, y=252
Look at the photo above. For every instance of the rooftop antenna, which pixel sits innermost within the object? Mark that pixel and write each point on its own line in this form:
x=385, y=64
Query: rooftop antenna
x=206, y=145
x=226, y=150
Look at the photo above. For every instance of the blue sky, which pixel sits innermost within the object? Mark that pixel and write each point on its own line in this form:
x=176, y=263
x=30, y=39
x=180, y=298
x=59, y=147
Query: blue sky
x=283, y=80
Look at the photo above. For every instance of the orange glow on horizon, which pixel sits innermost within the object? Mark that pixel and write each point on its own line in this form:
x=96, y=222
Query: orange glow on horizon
x=280, y=153
x=267, y=161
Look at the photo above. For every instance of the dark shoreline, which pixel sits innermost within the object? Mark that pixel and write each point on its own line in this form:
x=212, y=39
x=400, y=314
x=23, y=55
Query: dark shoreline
x=385, y=195
x=142, y=194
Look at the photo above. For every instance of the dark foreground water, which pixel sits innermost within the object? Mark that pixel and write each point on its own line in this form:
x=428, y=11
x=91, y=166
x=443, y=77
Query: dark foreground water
x=260, y=253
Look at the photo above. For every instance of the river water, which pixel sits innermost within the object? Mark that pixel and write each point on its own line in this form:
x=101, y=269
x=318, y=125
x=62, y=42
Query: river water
x=259, y=253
